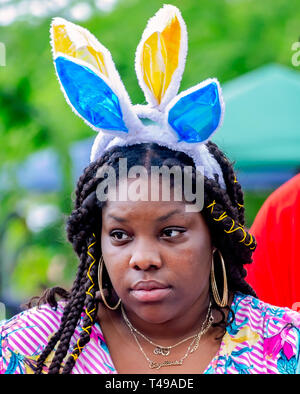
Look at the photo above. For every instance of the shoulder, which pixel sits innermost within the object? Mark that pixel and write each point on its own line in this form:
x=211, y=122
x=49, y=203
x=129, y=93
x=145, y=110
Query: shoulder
x=255, y=310
x=25, y=335
x=273, y=331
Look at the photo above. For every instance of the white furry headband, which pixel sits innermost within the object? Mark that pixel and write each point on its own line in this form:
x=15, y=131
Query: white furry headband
x=95, y=92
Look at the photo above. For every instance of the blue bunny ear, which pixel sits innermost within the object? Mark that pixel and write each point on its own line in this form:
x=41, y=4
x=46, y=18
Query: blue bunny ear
x=196, y=113
x=90, y=95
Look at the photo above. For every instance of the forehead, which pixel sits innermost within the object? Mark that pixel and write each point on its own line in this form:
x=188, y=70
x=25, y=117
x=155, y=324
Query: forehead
x=144, y=210
x=141, y=198
x=145, y=188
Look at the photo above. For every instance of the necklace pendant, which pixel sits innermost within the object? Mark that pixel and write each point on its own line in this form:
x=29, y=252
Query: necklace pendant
x=164, y=351
x=154, y=365
x=167, y=363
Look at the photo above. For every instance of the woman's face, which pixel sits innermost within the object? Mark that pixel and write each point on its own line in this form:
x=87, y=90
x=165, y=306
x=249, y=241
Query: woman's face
x=158, y=257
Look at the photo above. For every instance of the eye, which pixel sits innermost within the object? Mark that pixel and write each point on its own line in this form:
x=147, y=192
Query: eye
x=173, y=232
x=119, y=235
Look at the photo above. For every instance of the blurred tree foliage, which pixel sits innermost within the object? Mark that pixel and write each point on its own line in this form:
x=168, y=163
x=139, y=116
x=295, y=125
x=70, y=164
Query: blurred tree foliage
x=226, y=39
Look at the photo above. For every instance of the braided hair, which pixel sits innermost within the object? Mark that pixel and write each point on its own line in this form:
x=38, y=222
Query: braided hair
x=223, y=213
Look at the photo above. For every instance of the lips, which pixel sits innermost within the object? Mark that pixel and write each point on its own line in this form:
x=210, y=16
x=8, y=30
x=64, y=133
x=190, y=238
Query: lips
x=150, y=291
x=149, y=285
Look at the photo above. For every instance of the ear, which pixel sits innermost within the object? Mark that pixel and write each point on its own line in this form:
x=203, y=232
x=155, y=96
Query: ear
x=76, y=42
x=89, y=79
x=90, y=96
x=160, y=56
x=195, y=114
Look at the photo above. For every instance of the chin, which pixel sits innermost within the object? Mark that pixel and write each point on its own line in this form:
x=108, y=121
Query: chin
x=155, y=313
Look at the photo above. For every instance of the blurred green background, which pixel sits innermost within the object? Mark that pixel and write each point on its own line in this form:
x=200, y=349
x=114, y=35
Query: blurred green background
x=227, y=38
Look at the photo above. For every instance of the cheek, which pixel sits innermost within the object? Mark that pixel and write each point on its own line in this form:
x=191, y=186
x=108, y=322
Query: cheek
x=116, y=273
x=110, y=252
x=112, y=259
x=105, y=246
x=197, y=268
x=195, y=261
x=198, y=249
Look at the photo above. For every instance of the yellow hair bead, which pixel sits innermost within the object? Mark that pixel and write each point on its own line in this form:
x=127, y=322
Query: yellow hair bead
x=245, y=235
x=89, y=312
x=89, y=270
x=86, y=329
x=75, y=356
x=78, y=346
x=232, y=228
x=251, y=240
x=212, y=206
x=222, y=217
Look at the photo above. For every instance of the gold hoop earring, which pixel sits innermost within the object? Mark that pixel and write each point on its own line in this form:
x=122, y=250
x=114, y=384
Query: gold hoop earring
x=100, y=270
x=224, y=302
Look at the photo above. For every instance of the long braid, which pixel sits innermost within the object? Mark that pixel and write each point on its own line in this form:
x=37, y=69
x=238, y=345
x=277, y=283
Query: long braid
x=55, y=338
x=90, y=308
x=74, y=307
x=68, y=331
x=73, y=310
x=78, y=236
x=67, y=309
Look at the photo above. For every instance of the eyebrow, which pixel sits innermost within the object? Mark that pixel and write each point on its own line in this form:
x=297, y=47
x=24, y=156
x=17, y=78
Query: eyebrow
x=165, y=217
x=160, y=219
x=121, y=220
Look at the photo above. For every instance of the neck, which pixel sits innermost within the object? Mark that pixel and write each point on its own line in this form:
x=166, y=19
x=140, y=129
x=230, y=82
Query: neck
x=187, y=322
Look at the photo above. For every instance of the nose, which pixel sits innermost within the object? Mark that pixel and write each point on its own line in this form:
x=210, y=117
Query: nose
x=145, y=257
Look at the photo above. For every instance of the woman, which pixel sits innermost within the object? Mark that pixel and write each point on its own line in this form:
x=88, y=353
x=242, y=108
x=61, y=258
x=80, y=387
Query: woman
x=160, y=286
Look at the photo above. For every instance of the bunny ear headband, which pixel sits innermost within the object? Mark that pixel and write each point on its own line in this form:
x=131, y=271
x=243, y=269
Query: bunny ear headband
x=95, y=92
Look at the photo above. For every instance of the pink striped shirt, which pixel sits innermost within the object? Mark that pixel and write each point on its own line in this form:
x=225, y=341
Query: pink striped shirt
x=262, y=339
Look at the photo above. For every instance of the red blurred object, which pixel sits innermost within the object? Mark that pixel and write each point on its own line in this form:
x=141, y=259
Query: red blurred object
x=275, y=272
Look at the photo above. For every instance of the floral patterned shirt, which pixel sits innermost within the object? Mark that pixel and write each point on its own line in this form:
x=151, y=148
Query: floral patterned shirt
x=263, y=339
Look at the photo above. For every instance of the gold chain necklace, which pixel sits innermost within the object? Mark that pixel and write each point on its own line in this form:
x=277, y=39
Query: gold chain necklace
x=191, y=348
x=159, y=349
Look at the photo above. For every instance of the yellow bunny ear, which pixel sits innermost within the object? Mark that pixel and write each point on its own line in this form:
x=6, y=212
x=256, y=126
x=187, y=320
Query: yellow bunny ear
x=77, y=42
x=160, y=56
x=71, y=40
x=90, y=81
